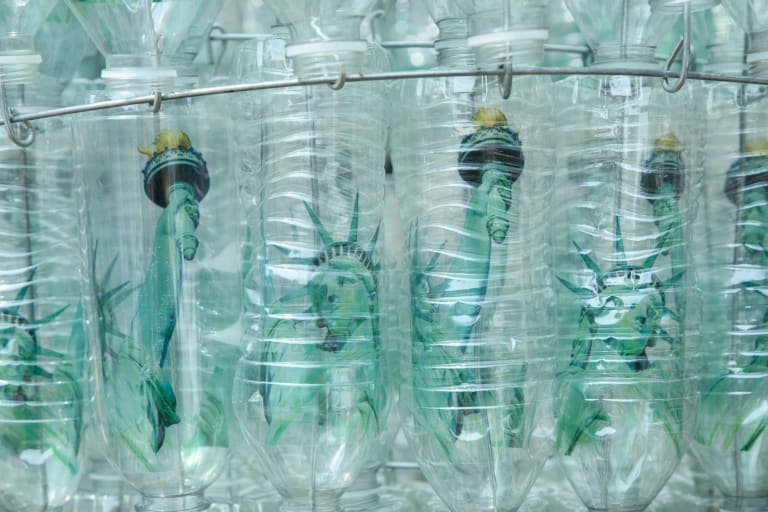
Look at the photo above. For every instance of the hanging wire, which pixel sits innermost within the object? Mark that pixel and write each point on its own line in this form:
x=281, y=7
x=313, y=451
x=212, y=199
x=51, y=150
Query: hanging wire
x=505, y=75
x=683, y=44
x=21, y=134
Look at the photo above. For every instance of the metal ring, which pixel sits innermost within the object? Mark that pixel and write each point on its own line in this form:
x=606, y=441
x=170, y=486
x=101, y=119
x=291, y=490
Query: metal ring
x=157, y=102
x=683, y=44
x=15, y=129
x=505, y=81
x=340, y=82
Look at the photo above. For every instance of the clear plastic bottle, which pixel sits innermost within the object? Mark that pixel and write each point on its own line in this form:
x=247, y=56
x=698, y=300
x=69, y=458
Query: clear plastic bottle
x=473, y=172
x=161, y=238
x=19, y=21
x=43, y=380
x=369, y=492
x=626, y=197
x=42, y=356
x=309, y=391
x=161, y=250
x=731, y=439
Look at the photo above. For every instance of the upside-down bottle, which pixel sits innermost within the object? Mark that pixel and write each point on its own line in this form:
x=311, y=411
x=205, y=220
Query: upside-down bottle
x=626, y=195
x=731, y=439
x=160, y=235
x=309, y=391
x=42, y=356
x=473, y=169
x=370, y=490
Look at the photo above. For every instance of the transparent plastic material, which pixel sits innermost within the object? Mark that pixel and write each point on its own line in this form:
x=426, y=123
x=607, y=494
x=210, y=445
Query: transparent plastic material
x=730, y=440
x=323, y=27
x=42, y=343
x=309, y=392
x=63, y=43
x=628, y=183
x=473, y=174
x=732, y=437
x=138, y=33
x=19, y=20
x=183, y=59
x=161, y=249
x=751, y=15
x=616, y=29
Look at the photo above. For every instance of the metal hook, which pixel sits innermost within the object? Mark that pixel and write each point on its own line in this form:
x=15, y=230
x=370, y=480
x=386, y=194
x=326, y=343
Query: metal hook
x=683, y=44
x=157, y=102
x=219, y=29
x=340, y=82
x=505, y=81
x=15, y=129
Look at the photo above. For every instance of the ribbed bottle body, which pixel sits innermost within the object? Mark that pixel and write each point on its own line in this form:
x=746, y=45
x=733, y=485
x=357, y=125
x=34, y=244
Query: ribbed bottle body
x=626, y=195
x=161, y=252
x=473, y=172
x=43, y=382
x=730, y=439
x=309, y=390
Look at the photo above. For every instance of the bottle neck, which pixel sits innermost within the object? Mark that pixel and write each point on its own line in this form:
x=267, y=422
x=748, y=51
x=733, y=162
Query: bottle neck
x=18, y=60
x=44, y=91
x=516, y=36
x=725, y=59
x=319, y=503
x=451, y=45
x=621, y=56
x=131, y=81
x=327, y=59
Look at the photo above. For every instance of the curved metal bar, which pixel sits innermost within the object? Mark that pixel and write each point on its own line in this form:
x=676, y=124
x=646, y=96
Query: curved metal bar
x=683, y=44
x=15, y=128
x=398, y=75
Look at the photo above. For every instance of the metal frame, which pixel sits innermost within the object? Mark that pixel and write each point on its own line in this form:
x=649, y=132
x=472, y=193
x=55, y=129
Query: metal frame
x=504, y=74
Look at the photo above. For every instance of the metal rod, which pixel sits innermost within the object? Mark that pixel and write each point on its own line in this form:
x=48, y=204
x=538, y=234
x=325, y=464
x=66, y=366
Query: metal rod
x=407, y=44
x=150, y=100
x=248, y=36
x=567, y=48
x=394, y=464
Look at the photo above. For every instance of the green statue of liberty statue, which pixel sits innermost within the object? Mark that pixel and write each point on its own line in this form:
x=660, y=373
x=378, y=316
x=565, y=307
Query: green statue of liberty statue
x=449, y=296
x=141, y=400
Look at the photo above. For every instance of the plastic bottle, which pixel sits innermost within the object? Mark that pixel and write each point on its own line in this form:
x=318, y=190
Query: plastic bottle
x=473, y=169
x=630, y=170
x=309, y=391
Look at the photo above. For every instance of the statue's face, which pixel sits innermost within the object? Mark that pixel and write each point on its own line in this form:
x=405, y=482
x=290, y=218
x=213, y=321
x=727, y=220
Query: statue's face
x=627, y=309
x=499, y=186
x=341, y=299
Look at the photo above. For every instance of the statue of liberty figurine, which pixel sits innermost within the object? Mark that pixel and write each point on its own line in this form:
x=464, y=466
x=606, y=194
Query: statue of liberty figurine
x=452, y=375
x=140, y=394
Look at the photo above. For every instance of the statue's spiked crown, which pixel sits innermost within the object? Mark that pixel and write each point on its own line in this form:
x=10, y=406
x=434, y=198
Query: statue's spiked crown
x=173, y=160
x=348, y=249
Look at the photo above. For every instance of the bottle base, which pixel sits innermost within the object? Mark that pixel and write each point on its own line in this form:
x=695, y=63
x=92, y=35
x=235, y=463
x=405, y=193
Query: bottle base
x=191, y=503
x=618, y=509
x=744, y=504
